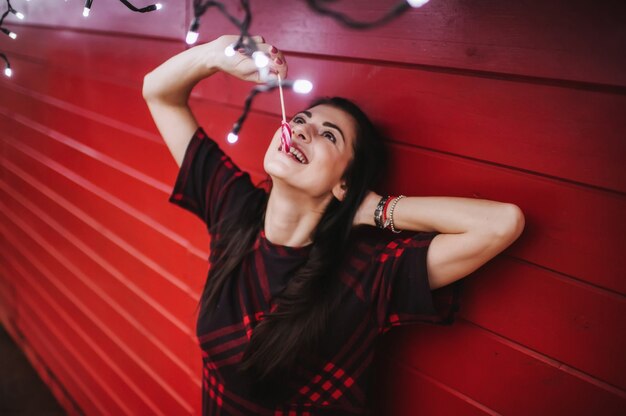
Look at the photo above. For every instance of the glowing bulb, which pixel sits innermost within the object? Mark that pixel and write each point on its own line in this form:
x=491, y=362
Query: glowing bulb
x=302, y=86
x=158, y=6
x=8, y=33
x=86, y=11
x=232, y=137
x=416, y=3
x=192, y=34
x=8, y=72
x=192, y=37
x=260, y=59
x=230, y=50
x=19, y=15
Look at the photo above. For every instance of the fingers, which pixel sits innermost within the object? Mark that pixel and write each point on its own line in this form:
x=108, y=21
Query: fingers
x=244, y=67
x=278, y=64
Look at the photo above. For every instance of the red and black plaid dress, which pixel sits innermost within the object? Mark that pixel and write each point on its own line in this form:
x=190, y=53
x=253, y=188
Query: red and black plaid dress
x=385, y=284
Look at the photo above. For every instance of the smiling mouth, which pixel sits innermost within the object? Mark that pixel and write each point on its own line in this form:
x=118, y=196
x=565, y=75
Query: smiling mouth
x=296, y=154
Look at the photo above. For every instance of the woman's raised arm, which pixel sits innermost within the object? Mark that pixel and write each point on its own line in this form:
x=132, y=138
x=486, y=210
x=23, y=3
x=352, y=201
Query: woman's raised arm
x=167, y=88
x=473, y=231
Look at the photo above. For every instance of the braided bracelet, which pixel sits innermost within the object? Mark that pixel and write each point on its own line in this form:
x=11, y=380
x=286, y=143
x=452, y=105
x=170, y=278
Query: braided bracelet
x=393, y=206
x=378, y=212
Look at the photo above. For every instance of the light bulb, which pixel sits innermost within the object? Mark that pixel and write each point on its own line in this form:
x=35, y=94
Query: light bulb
x=416, y=3
x=86, y=11
x=192, y=34
x=232, y=137
x=260, y=59
x=230, y=50
x=192, y=37
x=302, y=86
x=8, y=72
x=19, y=15
x=158, y=6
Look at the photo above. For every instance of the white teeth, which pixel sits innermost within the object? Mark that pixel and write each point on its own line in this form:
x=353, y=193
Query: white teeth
x=297, y=154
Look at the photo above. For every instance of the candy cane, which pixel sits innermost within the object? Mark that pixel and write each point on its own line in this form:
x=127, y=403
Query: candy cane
x=285, y=129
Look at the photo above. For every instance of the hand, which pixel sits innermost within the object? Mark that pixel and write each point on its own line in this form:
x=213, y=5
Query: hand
x=365, y=213
x=241, y=65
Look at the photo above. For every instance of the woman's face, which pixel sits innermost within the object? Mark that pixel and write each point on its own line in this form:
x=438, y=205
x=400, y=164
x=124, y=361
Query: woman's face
x=324, y=137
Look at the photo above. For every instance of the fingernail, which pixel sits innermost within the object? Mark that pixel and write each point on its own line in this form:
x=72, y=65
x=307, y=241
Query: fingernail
x=273, y=49
x=278, y=61
x=241, y=50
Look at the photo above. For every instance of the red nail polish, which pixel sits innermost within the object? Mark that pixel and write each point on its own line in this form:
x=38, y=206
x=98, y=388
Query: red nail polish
x=273, y=49
x=279, y=61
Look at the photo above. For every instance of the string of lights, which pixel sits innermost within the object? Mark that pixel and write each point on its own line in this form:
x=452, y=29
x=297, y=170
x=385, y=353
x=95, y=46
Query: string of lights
x=261, y=60
x=146, y=9
x=245, y=44
x=7, y=71
x=245, y=40
x=300, y=86
x=17, y=14
x=342, y=18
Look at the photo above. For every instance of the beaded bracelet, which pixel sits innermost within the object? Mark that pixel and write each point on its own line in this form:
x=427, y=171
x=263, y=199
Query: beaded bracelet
x=393, y=206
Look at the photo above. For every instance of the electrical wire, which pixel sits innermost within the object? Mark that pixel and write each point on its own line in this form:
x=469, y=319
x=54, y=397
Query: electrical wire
x=396, y=11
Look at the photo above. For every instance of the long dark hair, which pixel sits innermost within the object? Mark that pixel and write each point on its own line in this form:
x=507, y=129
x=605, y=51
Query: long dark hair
x=294, y=329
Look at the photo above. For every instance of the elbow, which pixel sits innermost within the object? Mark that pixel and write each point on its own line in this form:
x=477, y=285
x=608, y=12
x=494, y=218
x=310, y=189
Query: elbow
x=511, y=223
x=146, y=89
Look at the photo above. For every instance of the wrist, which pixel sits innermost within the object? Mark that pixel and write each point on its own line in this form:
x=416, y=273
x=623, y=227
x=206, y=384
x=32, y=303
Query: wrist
x=209, y=57
x=370, y=204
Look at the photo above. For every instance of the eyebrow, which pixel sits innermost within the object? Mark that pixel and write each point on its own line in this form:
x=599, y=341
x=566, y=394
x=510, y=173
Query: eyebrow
x=326, y=123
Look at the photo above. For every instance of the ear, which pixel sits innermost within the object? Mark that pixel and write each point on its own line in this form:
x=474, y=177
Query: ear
x=339, y=191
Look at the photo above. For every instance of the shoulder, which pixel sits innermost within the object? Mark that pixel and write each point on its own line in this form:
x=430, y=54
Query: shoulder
x=373, y=257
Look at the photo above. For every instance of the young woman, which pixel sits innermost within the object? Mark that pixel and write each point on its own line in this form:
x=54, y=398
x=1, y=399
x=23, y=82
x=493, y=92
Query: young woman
x=305, y=277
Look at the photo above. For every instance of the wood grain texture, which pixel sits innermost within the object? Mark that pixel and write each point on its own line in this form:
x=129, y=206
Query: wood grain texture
x=520, y=102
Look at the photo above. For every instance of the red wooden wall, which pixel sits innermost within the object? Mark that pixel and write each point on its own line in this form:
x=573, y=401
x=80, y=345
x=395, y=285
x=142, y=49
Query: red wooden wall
x=517, y=101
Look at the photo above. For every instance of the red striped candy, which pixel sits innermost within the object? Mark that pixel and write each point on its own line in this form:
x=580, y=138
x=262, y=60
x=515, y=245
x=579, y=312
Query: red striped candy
x=285, y=136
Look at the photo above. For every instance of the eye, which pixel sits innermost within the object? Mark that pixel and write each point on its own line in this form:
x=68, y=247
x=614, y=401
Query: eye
x=330, y=136
x=298, y=120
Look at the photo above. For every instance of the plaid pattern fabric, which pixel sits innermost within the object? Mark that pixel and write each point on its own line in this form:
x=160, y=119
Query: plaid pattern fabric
x=384, y=285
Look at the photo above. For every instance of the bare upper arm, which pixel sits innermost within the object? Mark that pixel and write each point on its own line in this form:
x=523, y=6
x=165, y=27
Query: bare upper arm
x=453, y=256
x=176, y=123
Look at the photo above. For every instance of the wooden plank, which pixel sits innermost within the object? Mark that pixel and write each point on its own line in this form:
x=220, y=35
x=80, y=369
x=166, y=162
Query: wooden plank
x=122, y=257
x=133, y=368
x=502, y=375
x=134, y=235
x=544, y=311
x=87, y=372
x=163, y=325
x=110, y=316
x=123, y=146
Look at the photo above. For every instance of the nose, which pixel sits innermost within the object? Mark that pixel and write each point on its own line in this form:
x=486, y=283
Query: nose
x=301, y=132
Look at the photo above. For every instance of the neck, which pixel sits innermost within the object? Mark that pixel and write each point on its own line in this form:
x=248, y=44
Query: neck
x=291, y=217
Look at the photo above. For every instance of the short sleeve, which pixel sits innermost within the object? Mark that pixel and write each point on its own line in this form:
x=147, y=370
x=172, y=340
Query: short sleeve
x=208, y=181
x=404, y=295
